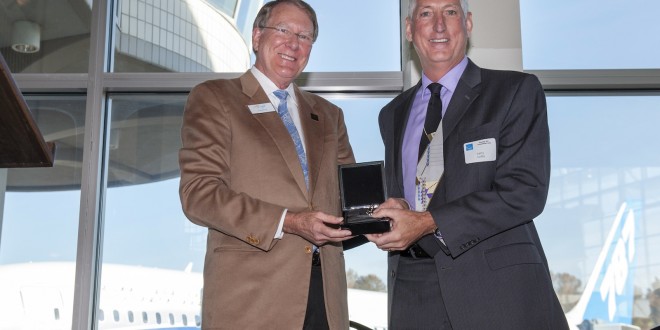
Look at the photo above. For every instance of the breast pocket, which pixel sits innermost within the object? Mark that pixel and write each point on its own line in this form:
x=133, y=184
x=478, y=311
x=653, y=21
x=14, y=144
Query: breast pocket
x=479, y=151
x=484, y=132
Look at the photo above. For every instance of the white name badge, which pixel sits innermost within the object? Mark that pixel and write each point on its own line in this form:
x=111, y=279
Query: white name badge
x=480, y=151
x=261, y=108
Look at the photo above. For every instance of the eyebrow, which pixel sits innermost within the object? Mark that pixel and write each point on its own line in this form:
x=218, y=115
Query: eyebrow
x=442, y=7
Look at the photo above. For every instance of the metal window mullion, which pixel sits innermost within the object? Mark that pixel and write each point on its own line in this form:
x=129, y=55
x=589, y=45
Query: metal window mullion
x=613, y=79
x=92, y=188
x=323, y=82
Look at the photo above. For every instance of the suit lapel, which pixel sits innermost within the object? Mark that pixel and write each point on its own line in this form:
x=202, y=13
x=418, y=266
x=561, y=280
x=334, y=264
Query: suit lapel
x=272, y=123
x=466, y=92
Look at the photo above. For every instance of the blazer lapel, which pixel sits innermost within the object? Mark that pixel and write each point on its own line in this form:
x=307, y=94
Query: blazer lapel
x=272, y=123
x=312, y=123
x=466, y=92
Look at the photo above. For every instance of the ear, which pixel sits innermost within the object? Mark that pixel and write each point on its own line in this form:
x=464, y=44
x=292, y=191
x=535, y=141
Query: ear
x=468, y=24
x=256, y=36
x=408, y=29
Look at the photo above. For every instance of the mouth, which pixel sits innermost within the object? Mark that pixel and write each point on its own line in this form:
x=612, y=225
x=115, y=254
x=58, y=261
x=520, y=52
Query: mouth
x=287, y=57
x=439, y=41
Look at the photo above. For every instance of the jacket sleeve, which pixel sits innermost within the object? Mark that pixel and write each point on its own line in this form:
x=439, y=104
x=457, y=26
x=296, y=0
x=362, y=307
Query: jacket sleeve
x=514, y=189
x=204, y=161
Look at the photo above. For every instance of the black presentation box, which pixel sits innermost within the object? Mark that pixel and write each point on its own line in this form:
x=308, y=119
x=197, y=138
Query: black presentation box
x=362, y=188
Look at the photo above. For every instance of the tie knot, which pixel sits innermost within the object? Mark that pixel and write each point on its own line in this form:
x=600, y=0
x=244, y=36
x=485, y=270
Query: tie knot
x=281, y=94
x=435, y=88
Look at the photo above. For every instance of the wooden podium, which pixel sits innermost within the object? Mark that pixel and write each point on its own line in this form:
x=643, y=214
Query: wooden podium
x=21, y=142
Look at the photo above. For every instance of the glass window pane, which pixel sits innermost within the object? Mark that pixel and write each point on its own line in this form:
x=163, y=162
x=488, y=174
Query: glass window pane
x=366, y=265
x=198, y=36
x=358, y=36
x=146, y=235
x=152, y=255
x=226, y=6
x=605, y=171
x=45, y=36
x=589, y=34
x=39, y=223
x=191, y=36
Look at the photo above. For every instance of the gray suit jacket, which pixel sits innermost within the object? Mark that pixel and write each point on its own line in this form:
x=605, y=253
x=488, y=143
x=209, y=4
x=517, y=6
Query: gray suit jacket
x=239, y=171
x=492, y=272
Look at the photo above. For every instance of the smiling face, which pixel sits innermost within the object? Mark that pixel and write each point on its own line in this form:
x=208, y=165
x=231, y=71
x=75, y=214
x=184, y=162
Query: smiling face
x=439, y=30
x=280, y=57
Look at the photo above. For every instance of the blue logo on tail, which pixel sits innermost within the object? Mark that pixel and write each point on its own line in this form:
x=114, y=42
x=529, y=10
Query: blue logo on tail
x=609, y=293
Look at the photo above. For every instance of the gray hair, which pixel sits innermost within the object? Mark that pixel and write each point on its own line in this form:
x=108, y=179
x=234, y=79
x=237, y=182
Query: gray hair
x=264, y=14
x=413, y=4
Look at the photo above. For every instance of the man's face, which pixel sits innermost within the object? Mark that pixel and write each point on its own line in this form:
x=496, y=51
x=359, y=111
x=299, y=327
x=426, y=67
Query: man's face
x=280, y=57
x=439, y=31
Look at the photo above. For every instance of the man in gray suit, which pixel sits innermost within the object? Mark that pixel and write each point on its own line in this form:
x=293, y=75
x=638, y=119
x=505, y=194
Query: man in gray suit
x=464, y=252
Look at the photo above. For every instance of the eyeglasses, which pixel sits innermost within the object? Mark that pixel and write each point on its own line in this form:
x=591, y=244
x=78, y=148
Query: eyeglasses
x=302, y=38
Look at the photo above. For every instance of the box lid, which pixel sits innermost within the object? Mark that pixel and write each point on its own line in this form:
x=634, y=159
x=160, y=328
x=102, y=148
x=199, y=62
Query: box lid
x=362, y=185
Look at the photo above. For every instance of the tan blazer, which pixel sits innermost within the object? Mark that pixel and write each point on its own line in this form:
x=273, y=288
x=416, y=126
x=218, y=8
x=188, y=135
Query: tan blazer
x=238, y=172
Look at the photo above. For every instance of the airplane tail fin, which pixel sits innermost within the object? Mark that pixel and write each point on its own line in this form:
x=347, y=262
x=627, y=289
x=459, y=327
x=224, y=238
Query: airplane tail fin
x=609, y=293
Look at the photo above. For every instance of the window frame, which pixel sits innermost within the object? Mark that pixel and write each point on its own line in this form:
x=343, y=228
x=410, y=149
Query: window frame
x=98, y=82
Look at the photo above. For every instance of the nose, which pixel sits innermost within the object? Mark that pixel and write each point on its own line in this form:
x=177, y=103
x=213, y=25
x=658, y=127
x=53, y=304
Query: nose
x=439, y=24
x=292, y=41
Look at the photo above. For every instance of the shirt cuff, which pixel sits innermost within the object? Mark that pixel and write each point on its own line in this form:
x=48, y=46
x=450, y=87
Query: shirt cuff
x=438, y=235
x=405, y=202
x=279, y=233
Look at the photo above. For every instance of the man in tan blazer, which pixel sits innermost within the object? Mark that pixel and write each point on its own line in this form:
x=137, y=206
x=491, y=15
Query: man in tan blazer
x=243, y=179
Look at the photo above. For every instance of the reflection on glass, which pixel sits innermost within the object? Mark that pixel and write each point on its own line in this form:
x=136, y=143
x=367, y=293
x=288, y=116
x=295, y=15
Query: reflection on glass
x=38, y=36
x=216, y=36
x=39, y=223
x=152, y=255
x=226, y=6
x=178, y=36
x=601, y=205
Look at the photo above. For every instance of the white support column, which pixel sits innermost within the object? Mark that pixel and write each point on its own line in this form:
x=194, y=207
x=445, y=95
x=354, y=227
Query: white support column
x=496, y=37
x=412, y=70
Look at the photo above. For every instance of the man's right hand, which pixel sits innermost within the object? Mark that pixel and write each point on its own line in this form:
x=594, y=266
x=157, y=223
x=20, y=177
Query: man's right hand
x=407, y=226
x=315, y=226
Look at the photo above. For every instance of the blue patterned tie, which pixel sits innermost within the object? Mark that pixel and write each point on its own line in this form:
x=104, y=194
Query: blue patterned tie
x=291, y=127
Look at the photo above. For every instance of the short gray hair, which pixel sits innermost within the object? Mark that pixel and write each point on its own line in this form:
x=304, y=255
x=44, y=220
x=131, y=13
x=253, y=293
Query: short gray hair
x=265, y=11
x=413, y=4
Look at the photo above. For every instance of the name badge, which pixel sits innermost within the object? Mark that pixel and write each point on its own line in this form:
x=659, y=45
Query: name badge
x=480, y=151
x=261, y=108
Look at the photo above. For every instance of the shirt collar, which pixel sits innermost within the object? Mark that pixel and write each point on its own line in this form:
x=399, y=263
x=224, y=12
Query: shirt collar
x=449, y=80
x=268, y=85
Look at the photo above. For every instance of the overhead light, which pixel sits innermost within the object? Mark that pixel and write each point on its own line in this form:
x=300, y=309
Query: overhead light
x=26, y=37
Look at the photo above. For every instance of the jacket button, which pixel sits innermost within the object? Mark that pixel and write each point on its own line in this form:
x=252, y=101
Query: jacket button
x=392, y=274
x=252, y=240
x=308, y=249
